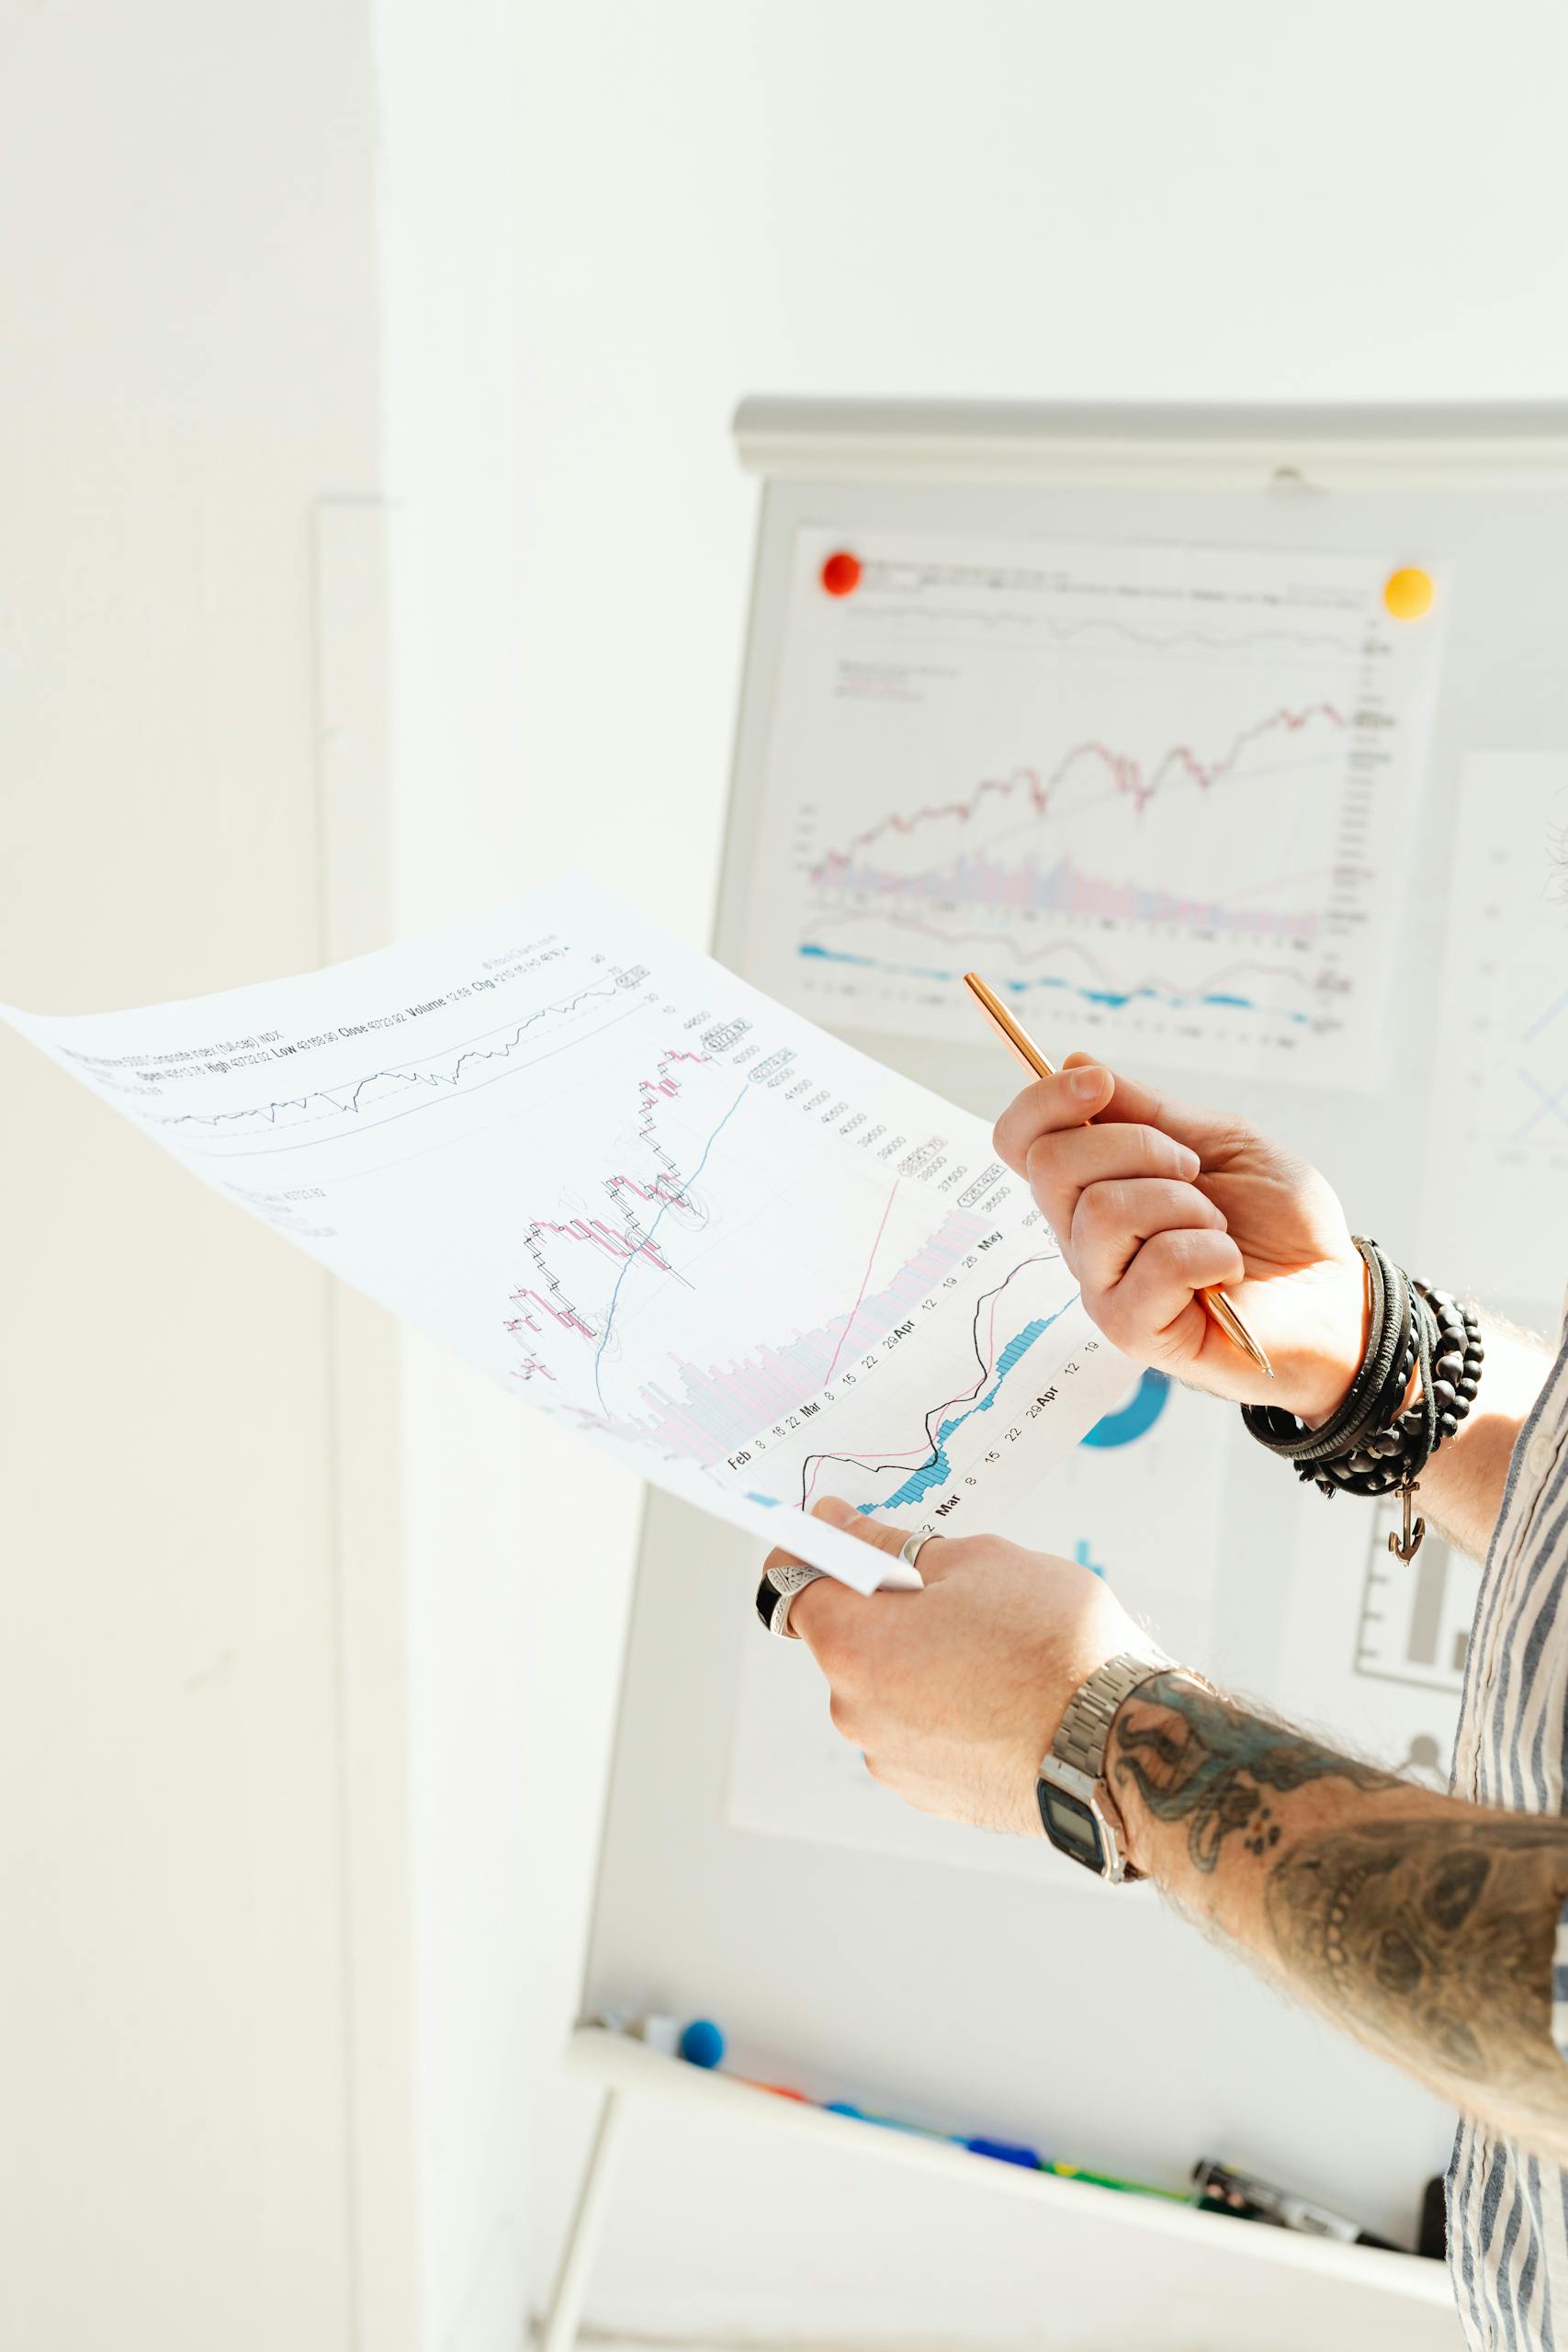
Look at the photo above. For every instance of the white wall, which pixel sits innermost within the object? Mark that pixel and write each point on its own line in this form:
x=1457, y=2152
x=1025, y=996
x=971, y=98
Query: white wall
x=187, y=367
x=449, y=80
x=1023, y=199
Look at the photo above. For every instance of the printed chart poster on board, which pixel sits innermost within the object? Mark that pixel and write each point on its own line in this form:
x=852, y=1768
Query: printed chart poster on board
x=1158, y=794
x=1496, y=1180
x=1108, y=1506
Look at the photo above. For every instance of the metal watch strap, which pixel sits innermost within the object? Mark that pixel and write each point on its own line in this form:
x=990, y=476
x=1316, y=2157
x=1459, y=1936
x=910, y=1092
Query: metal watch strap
x=1084, y=1729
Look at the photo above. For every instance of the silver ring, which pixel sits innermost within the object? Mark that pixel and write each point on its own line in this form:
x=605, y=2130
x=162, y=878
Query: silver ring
x=787, y=1581
x=912, y=1546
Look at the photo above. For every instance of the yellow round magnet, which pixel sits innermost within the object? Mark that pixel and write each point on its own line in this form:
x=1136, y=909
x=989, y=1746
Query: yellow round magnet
x=1409, y=593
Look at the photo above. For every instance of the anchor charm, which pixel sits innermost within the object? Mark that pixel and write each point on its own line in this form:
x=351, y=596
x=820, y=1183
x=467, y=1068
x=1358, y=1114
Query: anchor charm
x=1405, y=1544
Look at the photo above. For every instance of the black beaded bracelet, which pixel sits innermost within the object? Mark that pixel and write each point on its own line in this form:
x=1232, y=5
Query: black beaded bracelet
x=1373, y=1444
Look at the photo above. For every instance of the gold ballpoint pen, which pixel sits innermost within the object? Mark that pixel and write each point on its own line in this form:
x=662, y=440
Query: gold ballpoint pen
x=1030, y=1054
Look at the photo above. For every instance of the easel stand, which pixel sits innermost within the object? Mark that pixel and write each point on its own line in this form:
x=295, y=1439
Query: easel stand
x=570, y=2289
x=628, y=2070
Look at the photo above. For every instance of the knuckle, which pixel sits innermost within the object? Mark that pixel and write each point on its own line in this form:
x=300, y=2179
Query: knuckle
x=806, y=1622
x=1009, y=1143
x=843, y=1716
x=839, y=1655
x=1099, y=1211
x=1164, y=1111
x=1039, y=1159
x=1163, y=1254
x=1117, y=1317
x=1155, y=1151
x=1196, y=1244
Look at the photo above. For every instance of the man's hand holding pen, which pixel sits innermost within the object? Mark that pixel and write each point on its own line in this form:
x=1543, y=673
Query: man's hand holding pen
x=1153, y=1201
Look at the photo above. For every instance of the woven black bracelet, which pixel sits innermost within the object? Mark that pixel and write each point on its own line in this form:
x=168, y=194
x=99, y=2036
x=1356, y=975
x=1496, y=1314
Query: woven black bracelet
x=1370, y=1446
x=1378, y=1389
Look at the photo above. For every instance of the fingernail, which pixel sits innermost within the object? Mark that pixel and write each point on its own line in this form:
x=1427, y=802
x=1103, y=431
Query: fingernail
x=1086, y=1084
x=1188, y=1162
x=834, y=1509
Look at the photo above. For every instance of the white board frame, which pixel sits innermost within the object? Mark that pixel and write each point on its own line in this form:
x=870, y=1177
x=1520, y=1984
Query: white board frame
x=916, y=444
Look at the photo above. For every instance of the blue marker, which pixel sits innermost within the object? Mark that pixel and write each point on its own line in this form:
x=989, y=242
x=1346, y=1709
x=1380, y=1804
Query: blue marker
x=1007, y=2151
x=702, y=2044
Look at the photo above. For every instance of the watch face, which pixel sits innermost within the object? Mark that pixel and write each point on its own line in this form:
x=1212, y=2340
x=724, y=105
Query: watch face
x=1071, y=1827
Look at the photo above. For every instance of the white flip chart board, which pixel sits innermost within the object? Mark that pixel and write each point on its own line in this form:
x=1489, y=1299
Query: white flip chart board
x=1115, y=708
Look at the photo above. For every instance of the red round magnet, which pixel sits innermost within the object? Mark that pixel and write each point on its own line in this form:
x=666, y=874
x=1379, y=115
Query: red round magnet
x=840, y=573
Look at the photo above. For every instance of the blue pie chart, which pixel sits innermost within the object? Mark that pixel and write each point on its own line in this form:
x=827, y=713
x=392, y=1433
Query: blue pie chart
x=1137, y=1417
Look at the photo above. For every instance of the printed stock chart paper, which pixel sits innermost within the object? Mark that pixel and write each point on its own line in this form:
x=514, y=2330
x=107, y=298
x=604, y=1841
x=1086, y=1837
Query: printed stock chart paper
x=663, y=1210
x=1156, y=794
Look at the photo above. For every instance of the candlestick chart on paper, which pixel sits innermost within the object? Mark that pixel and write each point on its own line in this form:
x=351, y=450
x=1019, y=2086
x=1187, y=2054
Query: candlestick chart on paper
x=648, y=1200
x=1154, y=793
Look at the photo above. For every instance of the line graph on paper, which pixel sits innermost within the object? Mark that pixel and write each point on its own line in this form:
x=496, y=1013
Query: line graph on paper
x=917, y=1351
x=1155, y=794
x=362, y=1099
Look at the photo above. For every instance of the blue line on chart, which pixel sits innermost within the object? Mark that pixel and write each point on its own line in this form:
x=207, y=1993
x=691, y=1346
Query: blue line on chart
x=269, y=1111
x=683, y=1187
x=1553, y=1103
x=1542, y=1020
x=938, y=1470
x=1114, y=997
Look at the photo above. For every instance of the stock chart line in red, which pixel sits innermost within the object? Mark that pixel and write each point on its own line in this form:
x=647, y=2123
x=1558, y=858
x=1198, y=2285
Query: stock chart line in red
x=664, y=1084
x=604, y=1238
x=1126, y=776
x=854, y=1311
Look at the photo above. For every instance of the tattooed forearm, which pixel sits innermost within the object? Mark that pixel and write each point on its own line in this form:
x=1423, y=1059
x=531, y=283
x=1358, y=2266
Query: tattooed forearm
x=1434, y=1935
x=1426, y=1927
x=1191, y=1756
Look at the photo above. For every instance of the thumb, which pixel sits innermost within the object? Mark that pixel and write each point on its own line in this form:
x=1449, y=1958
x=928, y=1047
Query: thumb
x=827, y=1608
x=1133, y=1105
x=851, y=1522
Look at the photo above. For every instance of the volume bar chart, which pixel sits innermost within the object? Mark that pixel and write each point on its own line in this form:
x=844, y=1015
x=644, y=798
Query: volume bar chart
x=706, y=1410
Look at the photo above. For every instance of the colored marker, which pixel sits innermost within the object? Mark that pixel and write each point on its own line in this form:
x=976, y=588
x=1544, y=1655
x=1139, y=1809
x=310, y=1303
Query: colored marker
x=701, y=2043
x=1108, y=2181
x=882, y=2122
x=1007, y=2151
